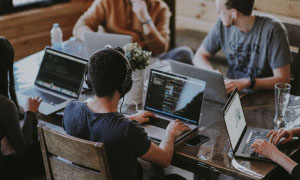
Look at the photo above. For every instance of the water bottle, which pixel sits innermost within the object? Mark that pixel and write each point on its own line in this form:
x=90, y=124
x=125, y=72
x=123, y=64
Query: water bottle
x=56, y=37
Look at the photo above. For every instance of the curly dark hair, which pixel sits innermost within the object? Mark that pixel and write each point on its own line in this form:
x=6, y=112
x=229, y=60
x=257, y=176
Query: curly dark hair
x=243, y=6
x=7, y=80
x=106, y=71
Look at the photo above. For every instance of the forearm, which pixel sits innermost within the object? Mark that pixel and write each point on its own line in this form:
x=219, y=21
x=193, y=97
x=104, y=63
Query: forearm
x=154, y=41
x=269, y=82
x=283, y=160
x=89, y=21
x=201, y=60
x=296, y=132
x=167, y=145
x=29, y=128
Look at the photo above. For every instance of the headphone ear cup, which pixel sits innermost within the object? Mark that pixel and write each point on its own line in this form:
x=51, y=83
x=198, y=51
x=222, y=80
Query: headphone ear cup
x=87, y=79
x=126, y=85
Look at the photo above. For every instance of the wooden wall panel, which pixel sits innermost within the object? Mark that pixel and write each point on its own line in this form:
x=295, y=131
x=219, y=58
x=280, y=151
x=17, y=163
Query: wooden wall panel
x=29, y=31
x=289, y=8
x=200, y=15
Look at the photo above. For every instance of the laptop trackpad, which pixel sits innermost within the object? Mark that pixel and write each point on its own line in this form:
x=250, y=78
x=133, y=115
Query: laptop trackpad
x=155, y=132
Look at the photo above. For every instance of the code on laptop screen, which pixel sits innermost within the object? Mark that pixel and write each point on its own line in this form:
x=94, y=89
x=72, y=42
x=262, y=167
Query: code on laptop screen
x=175, y=96
x=61, y=73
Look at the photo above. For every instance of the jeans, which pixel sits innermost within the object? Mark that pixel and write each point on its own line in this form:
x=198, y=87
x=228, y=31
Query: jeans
x=182, y=54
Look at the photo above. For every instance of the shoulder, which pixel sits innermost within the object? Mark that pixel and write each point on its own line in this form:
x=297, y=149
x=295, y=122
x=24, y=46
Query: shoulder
x=271, y=23
x=7, y=105
x=73, y=107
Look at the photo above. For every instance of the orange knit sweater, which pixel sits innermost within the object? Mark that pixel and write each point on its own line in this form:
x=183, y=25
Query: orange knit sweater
x=116, y=16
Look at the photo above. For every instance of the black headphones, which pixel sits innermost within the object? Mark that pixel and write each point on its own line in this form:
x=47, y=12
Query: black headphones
x=126, y=84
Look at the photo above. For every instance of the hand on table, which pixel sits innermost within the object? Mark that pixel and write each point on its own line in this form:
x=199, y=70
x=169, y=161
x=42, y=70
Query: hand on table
x=32, y=104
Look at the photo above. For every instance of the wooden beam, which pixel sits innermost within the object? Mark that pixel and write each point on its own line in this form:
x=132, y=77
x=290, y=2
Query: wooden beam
x=29, y=31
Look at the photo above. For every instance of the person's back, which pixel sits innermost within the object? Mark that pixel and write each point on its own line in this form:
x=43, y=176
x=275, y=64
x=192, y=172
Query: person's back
x=98, y=120
x=124, y=140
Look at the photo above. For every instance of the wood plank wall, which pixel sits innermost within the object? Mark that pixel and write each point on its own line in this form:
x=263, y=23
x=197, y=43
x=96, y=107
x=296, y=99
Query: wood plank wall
x=200, y=15
x=29, y=31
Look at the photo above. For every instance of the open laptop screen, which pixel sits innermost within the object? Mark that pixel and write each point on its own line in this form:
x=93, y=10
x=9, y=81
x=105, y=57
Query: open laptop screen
x=61, y=73
x=175, y=96
x=234, y=119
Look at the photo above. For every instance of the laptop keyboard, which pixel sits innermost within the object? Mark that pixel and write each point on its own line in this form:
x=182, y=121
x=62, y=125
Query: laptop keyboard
x=47, y=98
x=159, y=122
x=254, y=135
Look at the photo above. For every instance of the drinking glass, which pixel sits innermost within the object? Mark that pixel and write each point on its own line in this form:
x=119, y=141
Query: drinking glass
x=282, y=96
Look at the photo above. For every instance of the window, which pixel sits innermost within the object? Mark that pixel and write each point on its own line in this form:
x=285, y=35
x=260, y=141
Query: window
x=9, y=6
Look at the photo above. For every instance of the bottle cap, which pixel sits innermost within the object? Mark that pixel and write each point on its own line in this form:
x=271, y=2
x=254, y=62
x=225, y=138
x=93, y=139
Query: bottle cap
x=55, y=25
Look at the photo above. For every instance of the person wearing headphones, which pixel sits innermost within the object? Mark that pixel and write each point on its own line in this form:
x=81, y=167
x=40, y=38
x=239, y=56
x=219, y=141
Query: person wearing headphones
x=256, y=47
x=109, y=74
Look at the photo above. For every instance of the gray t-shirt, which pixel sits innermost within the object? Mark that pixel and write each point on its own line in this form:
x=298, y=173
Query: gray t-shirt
x=254, y=53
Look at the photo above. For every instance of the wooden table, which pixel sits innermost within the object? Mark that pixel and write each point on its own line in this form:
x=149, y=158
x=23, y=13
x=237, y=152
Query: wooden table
x=213, y=155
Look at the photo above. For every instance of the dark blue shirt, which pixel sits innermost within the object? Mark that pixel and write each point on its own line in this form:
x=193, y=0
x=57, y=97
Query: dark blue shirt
x=124, y=140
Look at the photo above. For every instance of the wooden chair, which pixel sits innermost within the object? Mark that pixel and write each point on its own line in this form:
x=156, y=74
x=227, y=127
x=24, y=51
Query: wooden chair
x=294, y=41
x=172, y=6
x=66, y=157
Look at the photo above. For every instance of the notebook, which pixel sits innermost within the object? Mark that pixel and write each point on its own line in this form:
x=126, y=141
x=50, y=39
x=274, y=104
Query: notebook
x=58, y=81
x=171, y=96
x=215, y=87
x=94, y=41
x=240, y=135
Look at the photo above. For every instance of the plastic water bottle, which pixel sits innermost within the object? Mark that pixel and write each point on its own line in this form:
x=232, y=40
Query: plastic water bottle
x=56, y=37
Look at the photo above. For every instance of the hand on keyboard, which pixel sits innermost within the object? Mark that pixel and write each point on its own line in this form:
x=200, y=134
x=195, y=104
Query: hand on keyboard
x=276, y=135
x=32, y=104
x=141, y=116
x=176, y=128
x=265, y=148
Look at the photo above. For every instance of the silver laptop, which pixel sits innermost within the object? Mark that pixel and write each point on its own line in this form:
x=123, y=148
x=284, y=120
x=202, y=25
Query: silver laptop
x=94, y=41
x=215, y=87
x=58, y=81
x=172, y=96
x=240, y=135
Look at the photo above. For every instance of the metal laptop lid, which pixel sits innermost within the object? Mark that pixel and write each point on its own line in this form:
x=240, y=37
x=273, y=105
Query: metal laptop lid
x=234, y=120
x=61, y=72
x=215, y=87
x=175, y=96
x=94, y=41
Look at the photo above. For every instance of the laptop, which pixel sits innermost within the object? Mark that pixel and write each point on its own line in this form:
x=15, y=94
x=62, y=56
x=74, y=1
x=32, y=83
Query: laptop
x=58, y=81
x=172, y=96
x=94, y=41
x=215, y=88
x=241, y=136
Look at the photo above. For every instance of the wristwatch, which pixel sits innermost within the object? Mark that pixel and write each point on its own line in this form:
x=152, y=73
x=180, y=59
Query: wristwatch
x=252, y=82
x=147, y=21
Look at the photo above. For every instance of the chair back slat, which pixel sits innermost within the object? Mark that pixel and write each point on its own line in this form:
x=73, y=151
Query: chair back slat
x=66, y=170
x=88, y=158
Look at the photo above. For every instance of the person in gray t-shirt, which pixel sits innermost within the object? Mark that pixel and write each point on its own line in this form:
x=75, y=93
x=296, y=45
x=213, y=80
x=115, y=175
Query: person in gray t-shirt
x=256, y=47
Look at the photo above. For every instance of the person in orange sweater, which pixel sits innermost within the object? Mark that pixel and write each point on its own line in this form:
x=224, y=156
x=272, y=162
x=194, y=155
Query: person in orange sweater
x=146, y=21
